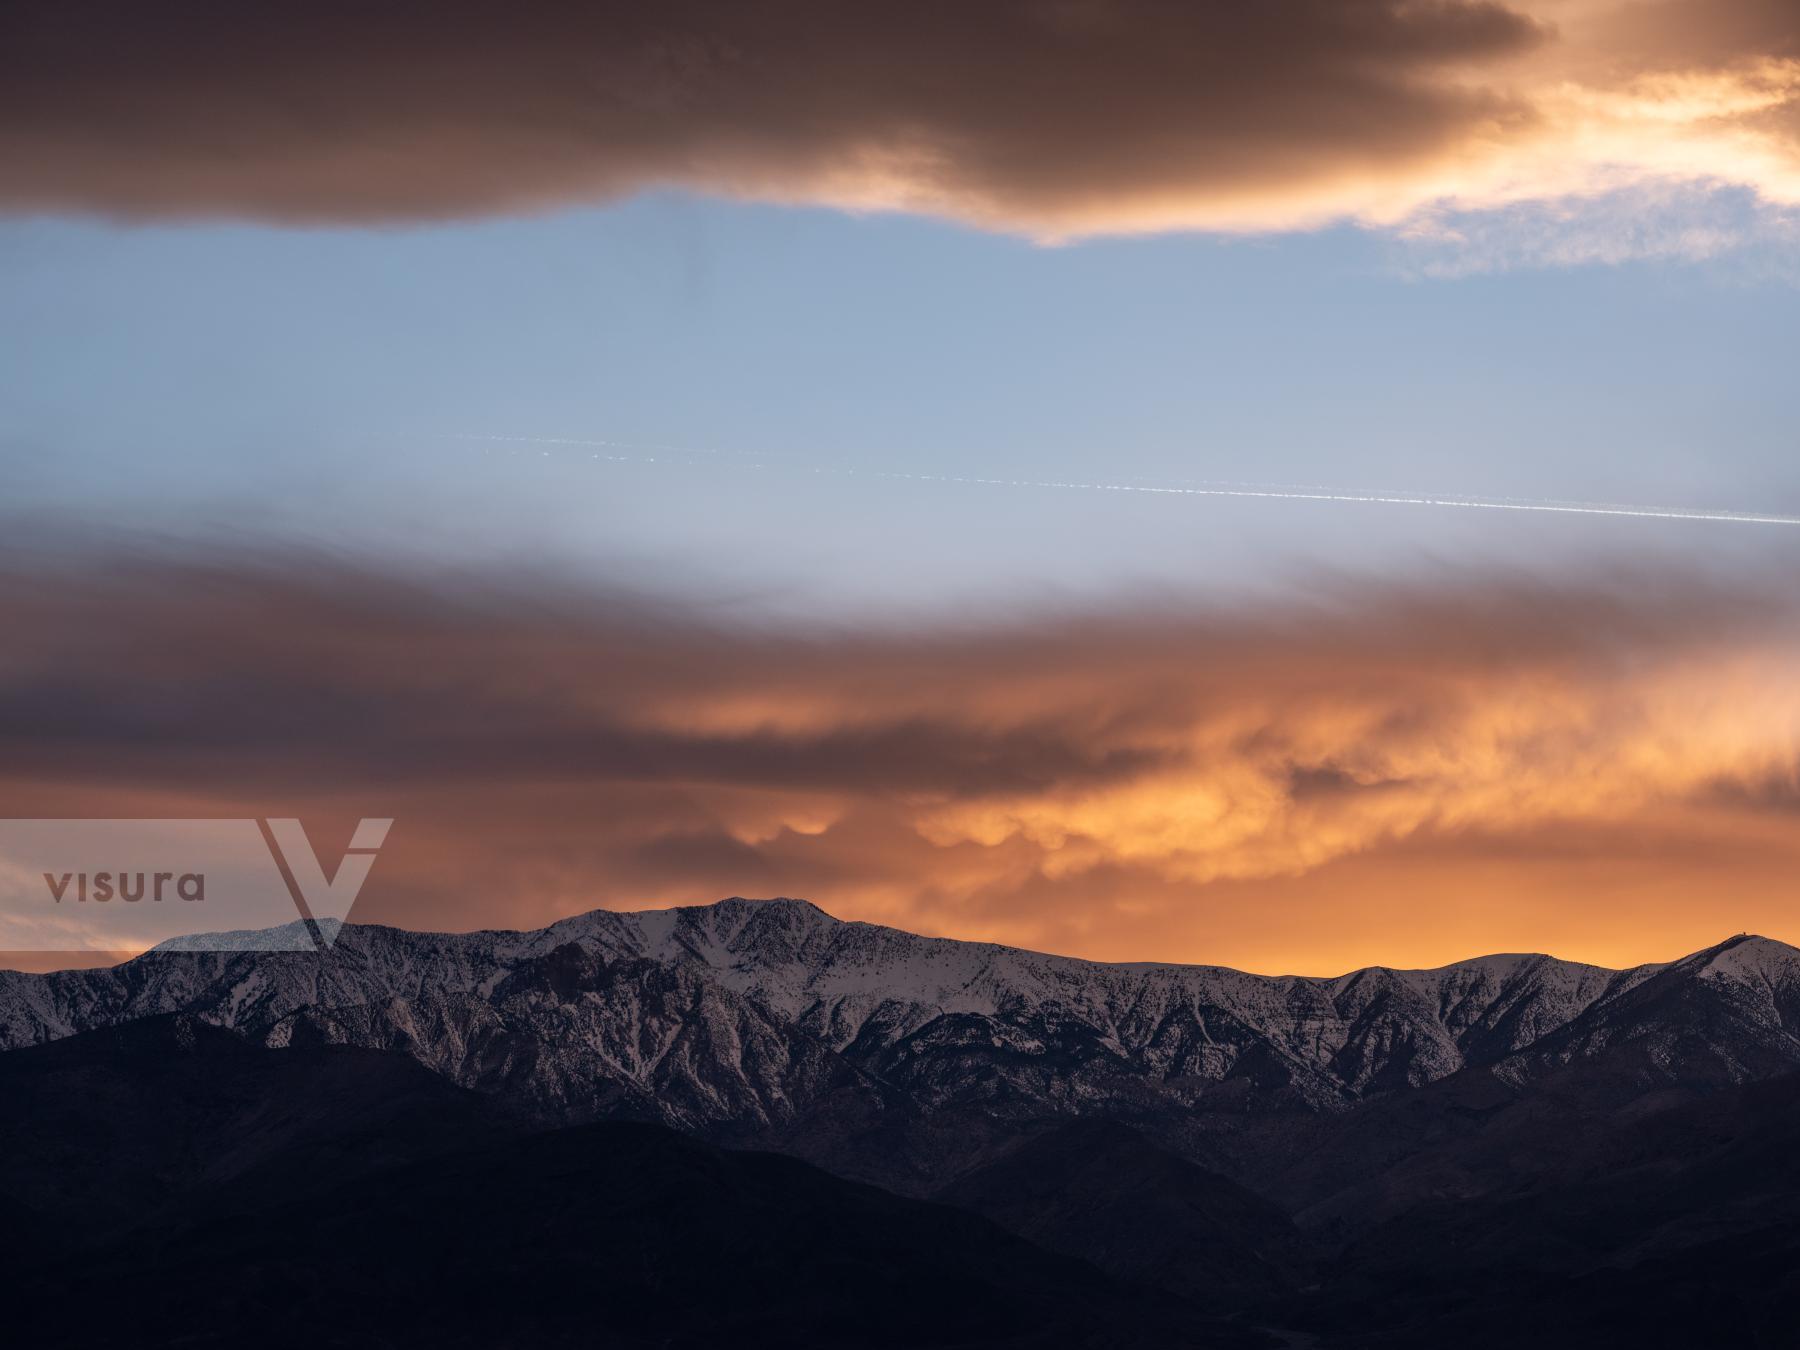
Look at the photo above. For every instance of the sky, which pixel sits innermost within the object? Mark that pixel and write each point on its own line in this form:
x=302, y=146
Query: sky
x=662, y=453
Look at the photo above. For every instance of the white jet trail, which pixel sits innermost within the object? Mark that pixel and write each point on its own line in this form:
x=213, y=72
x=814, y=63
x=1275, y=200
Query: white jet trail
x=1269, y=491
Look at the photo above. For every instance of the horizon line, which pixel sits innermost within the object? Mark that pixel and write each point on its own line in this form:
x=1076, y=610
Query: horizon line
x=171, y=946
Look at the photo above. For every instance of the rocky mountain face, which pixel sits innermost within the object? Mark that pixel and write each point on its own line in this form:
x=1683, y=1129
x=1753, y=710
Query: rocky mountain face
x=1504, y=1150
x=774, y=1022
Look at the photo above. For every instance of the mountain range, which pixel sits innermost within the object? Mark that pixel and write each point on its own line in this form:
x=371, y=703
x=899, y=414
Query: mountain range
x=1503, y=1146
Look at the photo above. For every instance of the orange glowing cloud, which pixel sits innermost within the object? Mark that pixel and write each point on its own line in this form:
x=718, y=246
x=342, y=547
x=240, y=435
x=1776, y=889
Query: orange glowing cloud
x=1385, y=774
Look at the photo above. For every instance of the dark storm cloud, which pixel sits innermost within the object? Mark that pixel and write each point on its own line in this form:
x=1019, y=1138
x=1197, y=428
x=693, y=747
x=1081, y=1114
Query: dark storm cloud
x=1022, y=113
x=315, y=671
x=1050, y=117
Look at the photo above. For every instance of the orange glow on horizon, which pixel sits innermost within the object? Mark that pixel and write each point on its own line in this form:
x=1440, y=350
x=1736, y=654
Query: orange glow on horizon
x=1398, y=777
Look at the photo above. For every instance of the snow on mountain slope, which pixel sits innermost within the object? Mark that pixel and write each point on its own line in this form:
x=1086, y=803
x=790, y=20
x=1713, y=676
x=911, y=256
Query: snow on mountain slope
x=842, y=981
x=1728, y=1014
x=753, y=1012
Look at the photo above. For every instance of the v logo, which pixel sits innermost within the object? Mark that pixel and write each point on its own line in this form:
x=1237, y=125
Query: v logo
x=314, y=896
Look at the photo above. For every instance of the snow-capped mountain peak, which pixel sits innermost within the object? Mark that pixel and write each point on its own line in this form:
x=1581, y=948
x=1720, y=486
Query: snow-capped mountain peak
x=751, y=1012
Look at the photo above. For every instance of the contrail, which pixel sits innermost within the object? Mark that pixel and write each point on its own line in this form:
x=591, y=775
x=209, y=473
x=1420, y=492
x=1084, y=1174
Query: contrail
x=1264, y=491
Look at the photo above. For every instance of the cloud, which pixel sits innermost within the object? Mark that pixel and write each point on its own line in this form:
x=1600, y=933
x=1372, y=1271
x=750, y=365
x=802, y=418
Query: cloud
x=1171, y=774
x=1051, y=118
x=1658, y=222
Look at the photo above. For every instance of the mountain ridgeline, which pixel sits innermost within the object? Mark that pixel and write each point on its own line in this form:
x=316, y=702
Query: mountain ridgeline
x=1326, y=1154
x=771, y=1018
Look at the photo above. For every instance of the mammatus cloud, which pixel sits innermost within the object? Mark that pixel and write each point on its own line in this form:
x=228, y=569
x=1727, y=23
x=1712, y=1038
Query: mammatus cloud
x=1051, y=118
x=1386, y=773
